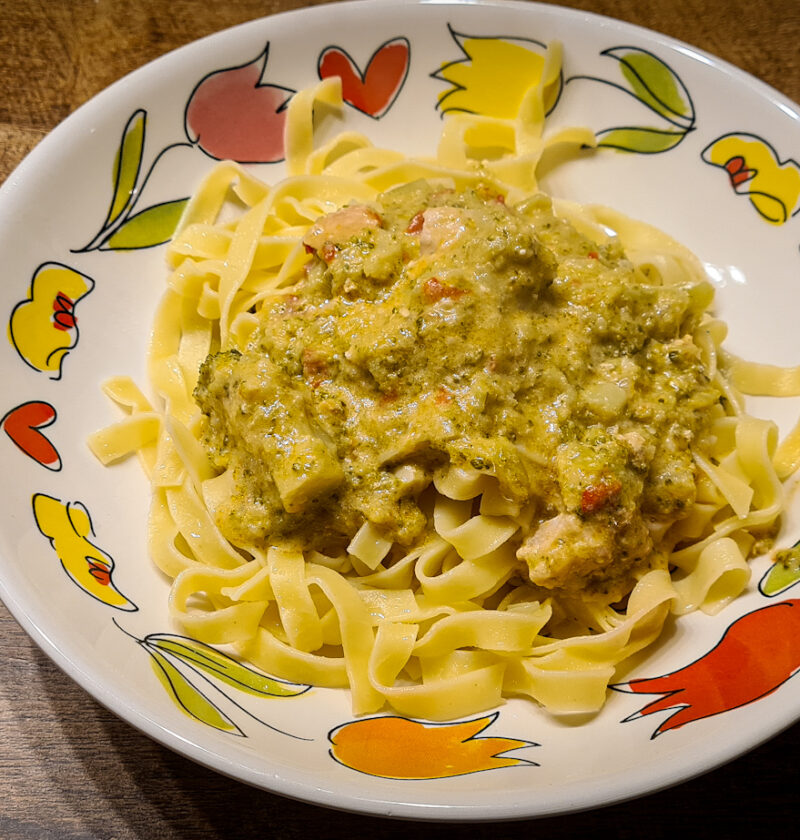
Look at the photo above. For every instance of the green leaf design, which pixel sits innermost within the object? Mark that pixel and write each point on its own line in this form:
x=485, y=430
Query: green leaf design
x=654, y=83
x=190, y=699
x=225, y=668
x=644, y=141
x=127, y=163
x=150, y=227
x=784, y=572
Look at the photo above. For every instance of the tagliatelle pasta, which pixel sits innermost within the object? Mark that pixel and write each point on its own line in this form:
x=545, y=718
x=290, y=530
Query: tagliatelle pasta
x=470, y=608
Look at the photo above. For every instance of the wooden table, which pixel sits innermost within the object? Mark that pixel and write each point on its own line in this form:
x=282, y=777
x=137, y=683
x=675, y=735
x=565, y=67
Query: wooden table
x=68, y=768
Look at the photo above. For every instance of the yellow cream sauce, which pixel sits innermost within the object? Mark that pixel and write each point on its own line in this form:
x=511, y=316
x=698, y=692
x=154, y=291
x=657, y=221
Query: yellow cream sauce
x=439, y=328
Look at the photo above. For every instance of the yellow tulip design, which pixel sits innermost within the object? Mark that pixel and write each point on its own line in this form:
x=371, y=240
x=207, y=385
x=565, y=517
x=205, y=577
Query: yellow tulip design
x=494, y=76
x=68, y=526
x=755, y=170
x=43, y=328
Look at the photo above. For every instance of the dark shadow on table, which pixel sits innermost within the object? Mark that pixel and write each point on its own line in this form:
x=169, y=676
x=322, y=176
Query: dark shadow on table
x=142, y=790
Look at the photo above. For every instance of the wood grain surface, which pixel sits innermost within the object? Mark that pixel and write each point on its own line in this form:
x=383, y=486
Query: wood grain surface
x=68, y=768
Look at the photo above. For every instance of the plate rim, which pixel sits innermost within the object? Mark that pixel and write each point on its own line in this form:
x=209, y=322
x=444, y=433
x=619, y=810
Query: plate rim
x=116, y=703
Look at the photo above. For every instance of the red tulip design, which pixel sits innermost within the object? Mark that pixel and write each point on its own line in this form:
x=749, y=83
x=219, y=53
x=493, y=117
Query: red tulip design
x=232, y=115
x=755, y=656
x=374, y=91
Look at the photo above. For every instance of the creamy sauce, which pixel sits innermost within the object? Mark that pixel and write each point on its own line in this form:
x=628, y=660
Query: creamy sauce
x=438, y=328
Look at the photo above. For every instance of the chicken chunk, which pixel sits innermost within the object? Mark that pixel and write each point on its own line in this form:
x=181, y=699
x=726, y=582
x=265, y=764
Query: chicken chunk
x=576, y=556
x=442, y=227
x=339, y=227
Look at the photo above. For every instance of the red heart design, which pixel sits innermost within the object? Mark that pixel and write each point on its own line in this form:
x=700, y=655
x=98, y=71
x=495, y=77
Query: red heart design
x=22, y=425
x=374, y=91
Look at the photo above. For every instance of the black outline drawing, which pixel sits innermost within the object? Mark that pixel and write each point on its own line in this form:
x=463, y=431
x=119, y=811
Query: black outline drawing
x=177, y=662
x=684, y=124
x=113, y=225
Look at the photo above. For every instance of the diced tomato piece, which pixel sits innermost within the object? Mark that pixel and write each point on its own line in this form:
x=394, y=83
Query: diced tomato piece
x=415, y=225
x=328, y=252
x=315, y=367
x=434, y=290
x=597, y=496
x=443, y=396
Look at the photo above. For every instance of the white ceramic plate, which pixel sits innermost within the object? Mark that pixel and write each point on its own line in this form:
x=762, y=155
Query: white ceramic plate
x=707, y=159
